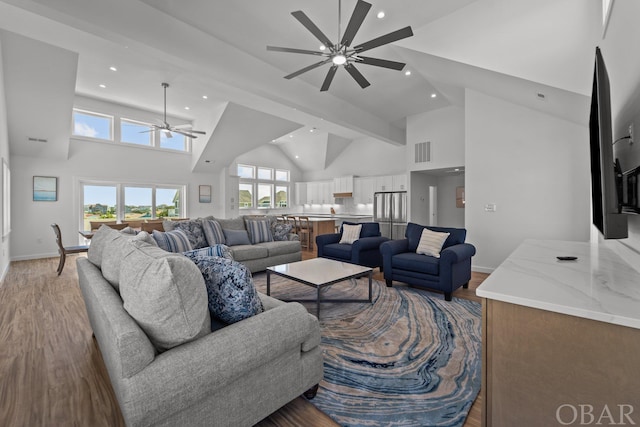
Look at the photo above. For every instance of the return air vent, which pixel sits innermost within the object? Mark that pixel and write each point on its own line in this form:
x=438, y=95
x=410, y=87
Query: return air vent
x=423, y=152
x=36, y=139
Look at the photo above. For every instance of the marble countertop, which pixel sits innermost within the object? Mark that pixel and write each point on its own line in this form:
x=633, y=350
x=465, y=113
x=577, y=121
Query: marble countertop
x=599, y=285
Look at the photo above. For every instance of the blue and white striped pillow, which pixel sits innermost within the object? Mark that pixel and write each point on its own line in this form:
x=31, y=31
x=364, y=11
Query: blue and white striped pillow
x=213, y=232
x=218, y=250
x=259, y=230
x=172, y=241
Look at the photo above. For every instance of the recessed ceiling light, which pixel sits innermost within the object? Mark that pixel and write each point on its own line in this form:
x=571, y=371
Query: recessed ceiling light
x=312, y=130
x=187, y=108
x=102, y=86
x=113, y=68
x=205, y=97
x=407, y=73
x=297, y=157
x=380, y=14
x=322, y=47
x=433, y=95
x=290, y=136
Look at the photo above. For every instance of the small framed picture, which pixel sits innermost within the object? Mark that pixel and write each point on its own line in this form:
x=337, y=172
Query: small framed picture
x=45, y=189
x=204, y=192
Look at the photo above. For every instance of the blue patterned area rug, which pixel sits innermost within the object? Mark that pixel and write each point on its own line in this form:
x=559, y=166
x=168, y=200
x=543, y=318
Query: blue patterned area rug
x=408, y=359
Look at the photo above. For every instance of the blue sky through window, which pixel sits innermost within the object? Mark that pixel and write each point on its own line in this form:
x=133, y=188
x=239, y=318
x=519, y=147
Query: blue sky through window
x=91, y=125
x=135, y=133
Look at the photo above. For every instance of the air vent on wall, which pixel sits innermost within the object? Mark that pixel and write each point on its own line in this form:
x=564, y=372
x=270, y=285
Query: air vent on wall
x=36, y=139
x=423, y=152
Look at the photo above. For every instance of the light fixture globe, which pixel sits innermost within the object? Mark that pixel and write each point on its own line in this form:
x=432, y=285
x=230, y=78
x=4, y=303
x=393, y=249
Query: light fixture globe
x=339, y=59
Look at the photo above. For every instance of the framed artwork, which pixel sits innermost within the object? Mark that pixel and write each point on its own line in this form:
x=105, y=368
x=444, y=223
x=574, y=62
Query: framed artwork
x=204, y=193
x=6, y=199
x=45, y=189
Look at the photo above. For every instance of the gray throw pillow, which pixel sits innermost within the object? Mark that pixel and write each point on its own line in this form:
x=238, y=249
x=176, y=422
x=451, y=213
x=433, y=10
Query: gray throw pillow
x=236, y=237
x=165, y=293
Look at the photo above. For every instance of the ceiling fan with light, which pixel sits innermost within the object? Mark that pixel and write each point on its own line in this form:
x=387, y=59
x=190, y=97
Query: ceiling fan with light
x=167, y=129
x=342, y=53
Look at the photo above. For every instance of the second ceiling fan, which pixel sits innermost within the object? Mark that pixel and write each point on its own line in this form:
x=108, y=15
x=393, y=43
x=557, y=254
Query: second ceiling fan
x=342, y=54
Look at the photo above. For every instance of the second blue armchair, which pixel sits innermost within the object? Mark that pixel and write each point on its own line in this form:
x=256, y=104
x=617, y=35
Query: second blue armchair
x=364, y=251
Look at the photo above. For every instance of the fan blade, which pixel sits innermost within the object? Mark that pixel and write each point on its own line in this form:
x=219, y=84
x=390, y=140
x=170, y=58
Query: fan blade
x=293, y=50
x=351, y=69
x=200, y=132
x=148, y=130
x=309, y=25
x=359, y=13
x=394, y=36
x=380, y=62
x=187, y=134
x=167, y=133
x=329, y=78
x=309, y=68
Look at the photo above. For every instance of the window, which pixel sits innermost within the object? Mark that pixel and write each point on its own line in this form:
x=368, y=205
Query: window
x=88, y=124
x=100, y=202
x=246, y=171
x=92, y=125
x=282, y=175
x=262, y=187
x=175, y=142
x=245, y=198
x=264, y=195
x=265, y=174
x=135, y=132
x=282, y=196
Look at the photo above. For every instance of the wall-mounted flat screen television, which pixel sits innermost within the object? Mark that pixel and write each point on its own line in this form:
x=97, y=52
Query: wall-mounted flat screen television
x=606, y=182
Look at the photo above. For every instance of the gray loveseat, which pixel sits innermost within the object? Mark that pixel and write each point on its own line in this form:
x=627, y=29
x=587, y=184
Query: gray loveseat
x=234, y=376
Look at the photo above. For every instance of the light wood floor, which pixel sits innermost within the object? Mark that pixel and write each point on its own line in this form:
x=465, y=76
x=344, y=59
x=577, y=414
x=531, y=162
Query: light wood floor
x=51, y=371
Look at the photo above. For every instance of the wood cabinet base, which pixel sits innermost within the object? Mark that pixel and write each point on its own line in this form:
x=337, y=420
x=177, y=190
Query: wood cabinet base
x=541, y=368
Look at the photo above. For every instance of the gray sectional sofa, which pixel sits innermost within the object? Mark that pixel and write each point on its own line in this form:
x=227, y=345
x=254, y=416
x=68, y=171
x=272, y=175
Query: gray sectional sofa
x=259, y=256
x=165, y=365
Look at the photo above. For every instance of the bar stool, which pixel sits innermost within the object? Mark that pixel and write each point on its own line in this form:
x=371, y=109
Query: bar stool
x=304, y=231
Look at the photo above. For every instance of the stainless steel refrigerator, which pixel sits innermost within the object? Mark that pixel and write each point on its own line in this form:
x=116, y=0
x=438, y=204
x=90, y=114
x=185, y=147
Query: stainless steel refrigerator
x=390, y=211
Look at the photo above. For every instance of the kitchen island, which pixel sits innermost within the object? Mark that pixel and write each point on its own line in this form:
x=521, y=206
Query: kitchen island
x=328, y=223
x=561, y=339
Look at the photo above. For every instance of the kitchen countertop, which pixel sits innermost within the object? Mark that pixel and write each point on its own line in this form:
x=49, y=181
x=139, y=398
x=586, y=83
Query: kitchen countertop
x=599, y=285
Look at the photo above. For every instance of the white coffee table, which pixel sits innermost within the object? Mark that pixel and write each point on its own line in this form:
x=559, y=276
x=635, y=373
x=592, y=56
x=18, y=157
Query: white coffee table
x=319, y=273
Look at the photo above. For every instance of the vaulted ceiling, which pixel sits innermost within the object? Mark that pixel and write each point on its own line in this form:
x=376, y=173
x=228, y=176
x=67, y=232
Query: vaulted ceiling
x=513, y=49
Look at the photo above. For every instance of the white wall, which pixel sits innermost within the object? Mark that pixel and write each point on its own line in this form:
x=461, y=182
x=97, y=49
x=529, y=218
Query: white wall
x=419, y=203
x=363, y=157
x=534, y=167
x=444, y=128
x=4, y=154
x=623, y=65
x=32, y=236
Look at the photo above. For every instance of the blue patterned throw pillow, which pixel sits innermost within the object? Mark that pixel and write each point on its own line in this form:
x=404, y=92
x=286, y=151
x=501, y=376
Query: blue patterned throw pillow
x=231, y=294
x=172, y=241
x=259, y=230
x=194, y=231
x=213, y=250
x=281, y=231
x=213, y=232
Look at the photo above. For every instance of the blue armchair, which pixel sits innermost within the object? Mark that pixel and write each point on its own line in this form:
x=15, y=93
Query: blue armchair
x=364, y=251
x=447, y=273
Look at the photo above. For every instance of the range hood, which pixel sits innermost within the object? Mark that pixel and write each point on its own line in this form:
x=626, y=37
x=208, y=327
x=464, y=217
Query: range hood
x=342, y=195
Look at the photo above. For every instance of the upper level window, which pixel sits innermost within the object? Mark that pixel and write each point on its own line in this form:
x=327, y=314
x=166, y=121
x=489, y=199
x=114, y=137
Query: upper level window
x=265, y=173
x=282, y=175
x=92, y=125
x=246, y=171
x=134, y=132
x=173, y=142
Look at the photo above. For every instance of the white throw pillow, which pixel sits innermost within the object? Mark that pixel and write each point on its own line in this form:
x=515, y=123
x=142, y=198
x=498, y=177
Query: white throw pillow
x=350, y=233
x=431, y=243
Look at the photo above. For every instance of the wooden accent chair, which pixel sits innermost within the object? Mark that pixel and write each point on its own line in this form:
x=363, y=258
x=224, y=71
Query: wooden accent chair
x=64, y=250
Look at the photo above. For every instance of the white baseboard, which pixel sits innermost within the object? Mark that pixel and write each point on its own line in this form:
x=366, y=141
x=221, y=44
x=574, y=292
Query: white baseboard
x=36, y=256
x=478, y=269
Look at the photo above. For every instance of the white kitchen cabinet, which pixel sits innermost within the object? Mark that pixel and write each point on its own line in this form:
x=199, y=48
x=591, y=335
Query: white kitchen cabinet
x=399, y=182
x=301, y=193
x=364, y=188
x=343, y=184
x=384, y=183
